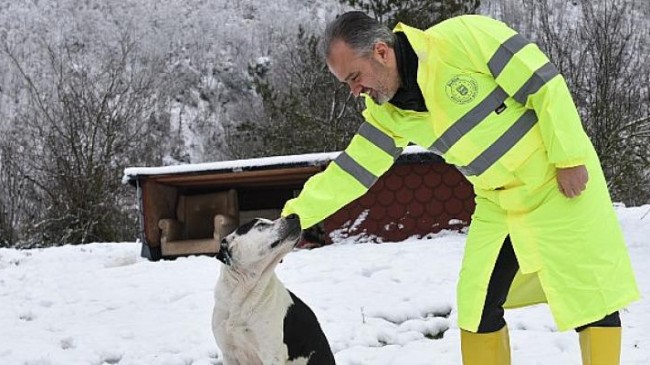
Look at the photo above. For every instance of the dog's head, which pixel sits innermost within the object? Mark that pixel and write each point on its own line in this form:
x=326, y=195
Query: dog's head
x=260, y=242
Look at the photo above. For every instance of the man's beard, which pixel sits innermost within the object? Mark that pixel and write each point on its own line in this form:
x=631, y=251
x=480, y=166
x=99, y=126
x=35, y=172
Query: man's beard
x=382, y=94
x=379, y=97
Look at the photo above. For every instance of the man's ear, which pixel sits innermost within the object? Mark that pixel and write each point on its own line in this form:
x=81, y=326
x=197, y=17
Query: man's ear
x=381, y=50
x=224, y=255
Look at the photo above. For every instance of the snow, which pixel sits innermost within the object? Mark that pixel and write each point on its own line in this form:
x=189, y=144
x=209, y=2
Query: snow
x=377, y=303
x=239, y=165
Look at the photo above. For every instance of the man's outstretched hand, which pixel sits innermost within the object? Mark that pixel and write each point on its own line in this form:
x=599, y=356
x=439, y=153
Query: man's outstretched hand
x=572, y=180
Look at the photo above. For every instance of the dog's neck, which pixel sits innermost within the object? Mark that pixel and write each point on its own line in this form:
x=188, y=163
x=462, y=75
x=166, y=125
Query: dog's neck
x=238, y=277
x=246, y=286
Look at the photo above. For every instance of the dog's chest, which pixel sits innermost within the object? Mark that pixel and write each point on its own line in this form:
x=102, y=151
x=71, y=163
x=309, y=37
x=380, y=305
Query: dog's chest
x=246, y=326
x=252, y=331
x=239, y=342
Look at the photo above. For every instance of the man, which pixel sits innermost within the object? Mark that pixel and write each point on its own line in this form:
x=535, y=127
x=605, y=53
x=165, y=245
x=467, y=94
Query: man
x=474, y=91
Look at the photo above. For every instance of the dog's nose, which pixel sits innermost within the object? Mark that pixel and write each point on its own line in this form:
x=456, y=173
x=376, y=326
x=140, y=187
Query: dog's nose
x=291, y=217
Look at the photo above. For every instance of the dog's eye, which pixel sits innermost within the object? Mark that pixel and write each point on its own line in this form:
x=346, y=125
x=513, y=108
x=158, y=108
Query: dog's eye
x=256, y=224
x=264, y=222
x=244, y=228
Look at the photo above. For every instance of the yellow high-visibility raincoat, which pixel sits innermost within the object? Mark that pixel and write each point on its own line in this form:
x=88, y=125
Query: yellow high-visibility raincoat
x=501, y=112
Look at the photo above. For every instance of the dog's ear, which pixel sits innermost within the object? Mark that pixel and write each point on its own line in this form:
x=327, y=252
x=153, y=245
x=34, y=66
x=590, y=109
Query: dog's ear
x=224, y=255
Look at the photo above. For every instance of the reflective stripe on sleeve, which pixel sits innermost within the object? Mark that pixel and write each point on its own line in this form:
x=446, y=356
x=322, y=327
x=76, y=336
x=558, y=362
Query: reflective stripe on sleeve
x=501, y=146
x=468, y=121
x=540, y=77
x=504, y=53
x=352, y=167
x=379, y=139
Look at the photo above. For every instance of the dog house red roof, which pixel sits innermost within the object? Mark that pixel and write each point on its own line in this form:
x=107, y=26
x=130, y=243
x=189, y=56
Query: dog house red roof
x=419, y=195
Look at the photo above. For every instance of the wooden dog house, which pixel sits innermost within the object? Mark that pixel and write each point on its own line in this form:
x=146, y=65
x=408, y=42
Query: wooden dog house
x=187, y=209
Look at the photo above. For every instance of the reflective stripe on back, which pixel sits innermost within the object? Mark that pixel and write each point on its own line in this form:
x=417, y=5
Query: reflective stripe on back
x=501, y=146
x=379, y=139
x=468, y=121
x=352, y=167
x=540, y=77
x=505, y=52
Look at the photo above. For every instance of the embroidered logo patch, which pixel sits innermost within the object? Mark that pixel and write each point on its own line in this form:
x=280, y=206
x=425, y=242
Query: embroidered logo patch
x=462, y=89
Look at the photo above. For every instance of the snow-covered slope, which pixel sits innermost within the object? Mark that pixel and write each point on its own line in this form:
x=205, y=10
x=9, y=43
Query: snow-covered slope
x=378, y=304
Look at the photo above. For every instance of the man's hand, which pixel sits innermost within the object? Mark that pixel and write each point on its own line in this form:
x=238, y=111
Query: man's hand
x=572, y=180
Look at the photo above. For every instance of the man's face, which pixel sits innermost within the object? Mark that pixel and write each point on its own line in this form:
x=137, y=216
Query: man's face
x=375, y=75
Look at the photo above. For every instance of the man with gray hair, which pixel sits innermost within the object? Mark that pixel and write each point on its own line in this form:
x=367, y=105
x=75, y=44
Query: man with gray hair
x=487, y=100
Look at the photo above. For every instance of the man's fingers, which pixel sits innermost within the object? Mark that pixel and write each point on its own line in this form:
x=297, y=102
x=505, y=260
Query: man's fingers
x=565, y=188
x=579, y=188
x=572, y=181
x=572, y=190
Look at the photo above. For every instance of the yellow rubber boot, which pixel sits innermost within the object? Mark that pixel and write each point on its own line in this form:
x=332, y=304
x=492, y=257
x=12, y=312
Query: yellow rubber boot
x=485, y=348
x=601, y=345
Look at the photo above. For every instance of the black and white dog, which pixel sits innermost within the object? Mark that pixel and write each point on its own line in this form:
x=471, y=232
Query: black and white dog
x=256, y=320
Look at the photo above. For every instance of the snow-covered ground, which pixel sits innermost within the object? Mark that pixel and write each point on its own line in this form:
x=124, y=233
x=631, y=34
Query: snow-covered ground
x=378, y=304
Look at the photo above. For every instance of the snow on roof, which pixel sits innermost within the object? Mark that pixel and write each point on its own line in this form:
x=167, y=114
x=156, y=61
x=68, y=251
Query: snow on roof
x=131, y=173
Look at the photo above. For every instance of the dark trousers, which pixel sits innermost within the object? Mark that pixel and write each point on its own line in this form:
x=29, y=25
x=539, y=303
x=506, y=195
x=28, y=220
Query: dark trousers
x=501, y=279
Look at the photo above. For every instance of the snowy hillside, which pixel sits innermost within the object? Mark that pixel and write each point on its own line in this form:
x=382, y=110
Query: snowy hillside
x=378, y=304
x=204, y=47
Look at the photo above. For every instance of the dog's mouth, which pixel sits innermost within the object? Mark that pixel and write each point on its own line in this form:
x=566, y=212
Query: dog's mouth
x=276, y=243
x=292, y=235
x=289, y=233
